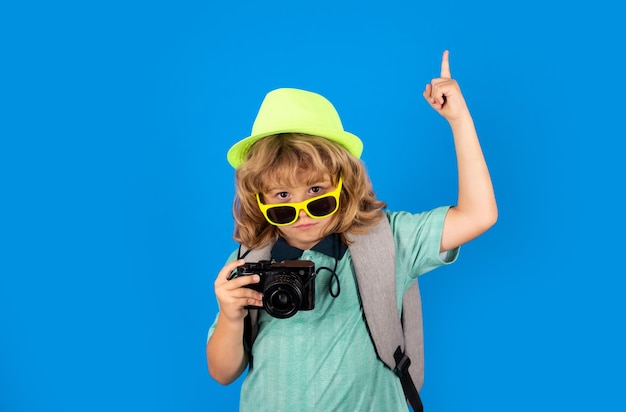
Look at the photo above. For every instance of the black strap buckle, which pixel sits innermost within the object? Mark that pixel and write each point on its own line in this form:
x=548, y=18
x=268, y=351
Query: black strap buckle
x=402, y=362
x=402, y=370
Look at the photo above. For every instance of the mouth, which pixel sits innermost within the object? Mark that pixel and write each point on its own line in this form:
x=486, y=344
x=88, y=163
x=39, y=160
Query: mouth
x=304, y=226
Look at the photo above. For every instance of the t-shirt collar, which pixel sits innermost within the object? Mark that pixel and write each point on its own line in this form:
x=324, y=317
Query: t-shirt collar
x=331, y=246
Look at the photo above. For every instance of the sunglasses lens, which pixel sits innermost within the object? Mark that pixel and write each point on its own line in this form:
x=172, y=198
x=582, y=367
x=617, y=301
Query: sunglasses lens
x=281, y=214
x=322, y=207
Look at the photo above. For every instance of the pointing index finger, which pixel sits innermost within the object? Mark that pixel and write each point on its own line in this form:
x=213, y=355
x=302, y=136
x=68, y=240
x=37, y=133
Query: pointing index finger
x=445, y=65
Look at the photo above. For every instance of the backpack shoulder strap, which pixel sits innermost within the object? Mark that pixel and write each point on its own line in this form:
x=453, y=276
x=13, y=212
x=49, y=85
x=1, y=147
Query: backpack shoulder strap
x=399, y=342
x=374, y=259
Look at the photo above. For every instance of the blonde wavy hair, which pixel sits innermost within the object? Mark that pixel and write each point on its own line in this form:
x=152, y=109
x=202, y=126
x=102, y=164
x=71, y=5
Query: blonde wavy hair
x=284, y=159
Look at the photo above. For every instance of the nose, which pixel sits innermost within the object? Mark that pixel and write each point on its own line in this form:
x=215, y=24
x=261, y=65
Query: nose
x=302, y=212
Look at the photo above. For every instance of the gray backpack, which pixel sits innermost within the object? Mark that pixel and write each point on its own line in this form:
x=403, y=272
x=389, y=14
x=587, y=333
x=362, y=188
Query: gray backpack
x=399, y=341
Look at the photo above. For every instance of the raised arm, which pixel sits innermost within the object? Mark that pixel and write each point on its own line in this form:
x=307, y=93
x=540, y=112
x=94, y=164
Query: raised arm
x=476, y=209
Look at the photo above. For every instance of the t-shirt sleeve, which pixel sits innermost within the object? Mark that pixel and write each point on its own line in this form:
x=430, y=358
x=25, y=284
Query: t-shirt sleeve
x=418, y=240
x=212, y=328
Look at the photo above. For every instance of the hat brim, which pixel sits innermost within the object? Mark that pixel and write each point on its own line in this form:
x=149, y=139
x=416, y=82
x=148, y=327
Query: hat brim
x=237, y=153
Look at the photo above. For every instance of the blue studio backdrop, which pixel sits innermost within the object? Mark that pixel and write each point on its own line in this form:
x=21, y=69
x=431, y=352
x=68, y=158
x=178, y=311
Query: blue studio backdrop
x=115, y=119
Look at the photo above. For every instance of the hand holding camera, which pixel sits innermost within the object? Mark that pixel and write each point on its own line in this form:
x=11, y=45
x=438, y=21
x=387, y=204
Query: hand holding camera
x=234, y=296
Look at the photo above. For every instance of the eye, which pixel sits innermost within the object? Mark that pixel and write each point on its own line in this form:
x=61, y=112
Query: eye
x=282, y=195
x=315, y=189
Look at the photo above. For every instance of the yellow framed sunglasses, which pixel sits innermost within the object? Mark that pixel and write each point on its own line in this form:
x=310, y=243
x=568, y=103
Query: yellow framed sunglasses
x=318, y=207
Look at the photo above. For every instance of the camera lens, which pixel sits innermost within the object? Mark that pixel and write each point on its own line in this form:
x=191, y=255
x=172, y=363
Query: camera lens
x=282, y=295
x=281, y=299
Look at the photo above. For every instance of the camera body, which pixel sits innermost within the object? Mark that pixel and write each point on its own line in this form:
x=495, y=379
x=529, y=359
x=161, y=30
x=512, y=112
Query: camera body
x=287, y=286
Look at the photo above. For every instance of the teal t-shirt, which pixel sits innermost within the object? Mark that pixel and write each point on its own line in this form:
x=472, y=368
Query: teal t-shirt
x=324, y=359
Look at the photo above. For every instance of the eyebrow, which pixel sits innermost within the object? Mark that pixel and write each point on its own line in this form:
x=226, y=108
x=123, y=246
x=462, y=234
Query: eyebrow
x=285, y=187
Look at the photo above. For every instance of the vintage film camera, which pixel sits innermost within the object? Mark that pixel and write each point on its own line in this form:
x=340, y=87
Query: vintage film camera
x=287, y=286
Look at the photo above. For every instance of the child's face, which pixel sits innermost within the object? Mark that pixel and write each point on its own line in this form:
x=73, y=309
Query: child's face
x=305, y=232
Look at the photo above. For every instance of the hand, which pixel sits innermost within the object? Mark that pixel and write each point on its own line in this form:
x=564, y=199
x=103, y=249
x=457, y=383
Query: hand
x=232, y=296
x=444, y=94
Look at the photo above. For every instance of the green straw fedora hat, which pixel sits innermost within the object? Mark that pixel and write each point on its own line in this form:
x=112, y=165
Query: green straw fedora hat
x=295, y=111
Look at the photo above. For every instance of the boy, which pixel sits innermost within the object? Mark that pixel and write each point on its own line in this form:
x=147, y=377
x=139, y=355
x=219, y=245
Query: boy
x=302, y=189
